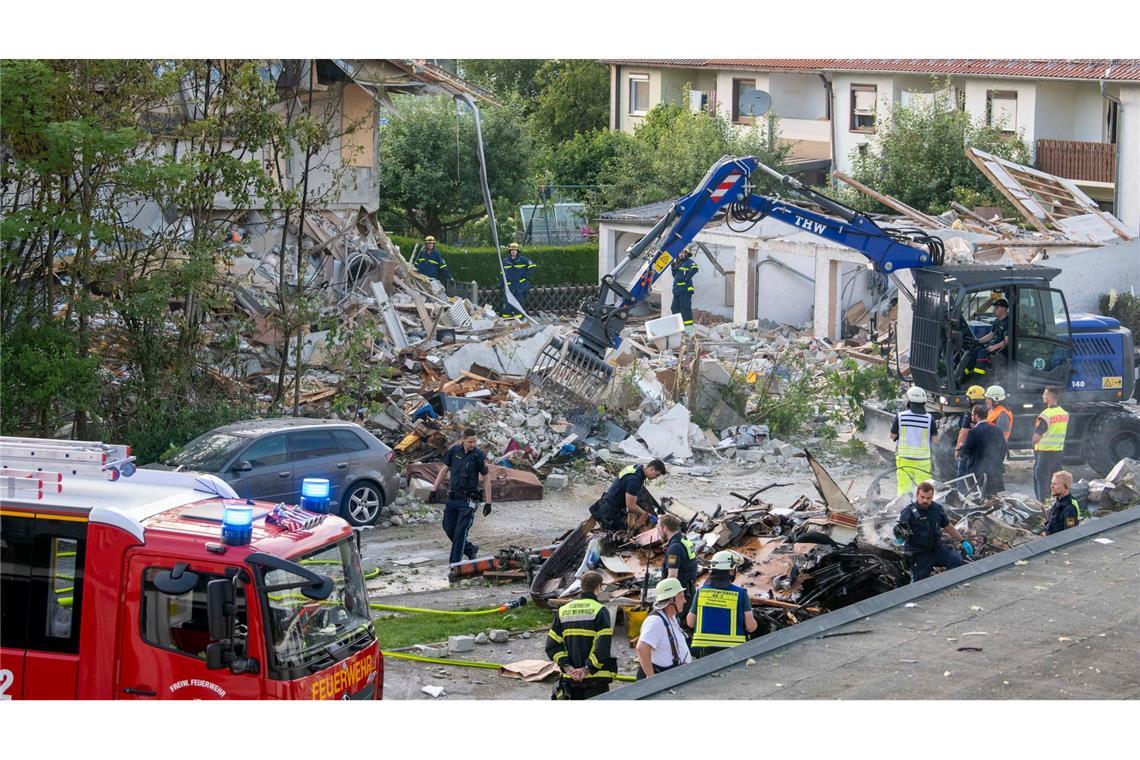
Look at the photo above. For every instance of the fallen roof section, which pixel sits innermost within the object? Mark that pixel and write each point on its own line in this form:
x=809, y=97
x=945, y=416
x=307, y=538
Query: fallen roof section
x=1045, y=200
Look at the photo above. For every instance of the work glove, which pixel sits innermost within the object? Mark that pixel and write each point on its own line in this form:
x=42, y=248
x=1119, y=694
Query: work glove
x=652, y=519
x=968, y=548
x=486, y=508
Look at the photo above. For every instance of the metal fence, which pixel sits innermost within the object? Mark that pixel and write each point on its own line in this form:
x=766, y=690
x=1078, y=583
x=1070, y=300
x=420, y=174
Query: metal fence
x=558, y=299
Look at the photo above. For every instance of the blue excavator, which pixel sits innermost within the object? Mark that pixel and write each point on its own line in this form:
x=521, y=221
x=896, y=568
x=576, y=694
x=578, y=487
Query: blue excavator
x=1089, y=356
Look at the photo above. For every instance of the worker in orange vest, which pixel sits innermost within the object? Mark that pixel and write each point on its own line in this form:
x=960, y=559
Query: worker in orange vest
x=999, y=415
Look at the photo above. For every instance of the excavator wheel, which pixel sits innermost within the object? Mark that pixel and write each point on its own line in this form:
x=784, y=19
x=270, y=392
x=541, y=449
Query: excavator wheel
x=944, y=457
x=1112, y=436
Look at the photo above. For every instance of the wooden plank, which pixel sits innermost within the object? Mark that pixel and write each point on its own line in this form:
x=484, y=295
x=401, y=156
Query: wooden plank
x=984, y=168
x=890, y=202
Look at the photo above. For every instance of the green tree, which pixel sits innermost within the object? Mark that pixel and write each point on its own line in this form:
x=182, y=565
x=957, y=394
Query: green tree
x=581, y=160
x=919, y=157
x=573, y=99
x=505, y=77
x=429, y=167
x=673, y=149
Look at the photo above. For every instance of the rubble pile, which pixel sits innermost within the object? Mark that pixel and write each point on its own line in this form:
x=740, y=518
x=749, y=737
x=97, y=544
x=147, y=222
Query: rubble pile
x=798, y=561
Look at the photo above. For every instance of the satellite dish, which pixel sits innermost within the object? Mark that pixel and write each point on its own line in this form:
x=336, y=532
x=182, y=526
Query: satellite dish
x=754, y=103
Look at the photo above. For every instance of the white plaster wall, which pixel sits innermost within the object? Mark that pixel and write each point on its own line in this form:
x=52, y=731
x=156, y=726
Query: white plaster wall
x=1088, y=113
x=782, y=296
x=1086, y=274
x=1128, y=157
x=1055, y=114
x=976, y=90
x=845, y=140
x=798, y=96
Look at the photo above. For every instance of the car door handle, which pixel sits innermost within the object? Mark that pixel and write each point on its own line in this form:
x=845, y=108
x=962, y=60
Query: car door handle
x=341, y=465
x=140, y=692
x=284, y=474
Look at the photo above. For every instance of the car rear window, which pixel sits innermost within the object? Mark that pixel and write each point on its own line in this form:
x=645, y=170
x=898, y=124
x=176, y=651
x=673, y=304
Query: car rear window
x=349, y=441
x=310, y=444
x=208, y=453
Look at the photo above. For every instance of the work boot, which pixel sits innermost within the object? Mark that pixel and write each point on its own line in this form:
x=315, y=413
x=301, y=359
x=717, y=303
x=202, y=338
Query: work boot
x=473, y=553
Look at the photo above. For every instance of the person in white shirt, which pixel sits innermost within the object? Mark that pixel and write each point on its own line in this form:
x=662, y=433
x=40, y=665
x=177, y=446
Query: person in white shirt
x=661, y=645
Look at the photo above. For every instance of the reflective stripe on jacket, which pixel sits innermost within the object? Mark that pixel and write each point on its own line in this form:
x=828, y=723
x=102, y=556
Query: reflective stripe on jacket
x=580, y=637
x=720, y=617
x=1054, y=438
x=519, y=272
x=914, y=435
x=683, y=274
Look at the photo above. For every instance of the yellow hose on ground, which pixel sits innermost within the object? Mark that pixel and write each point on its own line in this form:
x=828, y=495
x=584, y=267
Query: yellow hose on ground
x=394, y=608
x=465, y=663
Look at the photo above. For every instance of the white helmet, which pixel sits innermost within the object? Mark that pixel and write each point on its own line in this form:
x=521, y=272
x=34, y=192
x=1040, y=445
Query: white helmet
x=995, y=392
x=916, y=395
x=724, y=560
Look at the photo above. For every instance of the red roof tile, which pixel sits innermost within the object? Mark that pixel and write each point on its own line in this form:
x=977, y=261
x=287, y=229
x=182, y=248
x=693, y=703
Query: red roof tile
x=1120, y=69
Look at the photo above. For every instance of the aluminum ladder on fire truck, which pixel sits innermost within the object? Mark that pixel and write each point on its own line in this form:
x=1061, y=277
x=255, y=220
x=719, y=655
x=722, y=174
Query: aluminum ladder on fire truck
x=32, y=467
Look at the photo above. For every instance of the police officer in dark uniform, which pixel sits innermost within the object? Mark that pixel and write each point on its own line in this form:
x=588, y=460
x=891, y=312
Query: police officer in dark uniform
x=463, y=463
x=920, y=525
x=579, y=644
x=1066, y=511
x=680, y=558
x=621, y=497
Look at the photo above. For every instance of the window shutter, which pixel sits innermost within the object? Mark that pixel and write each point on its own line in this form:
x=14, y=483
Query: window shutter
x=1003, y=112
x=864, y=102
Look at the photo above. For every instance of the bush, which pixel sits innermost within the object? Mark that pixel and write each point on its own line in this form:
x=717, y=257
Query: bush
x=1122, y=306
x=557, y=264
x=44, y=378
x=155, y=432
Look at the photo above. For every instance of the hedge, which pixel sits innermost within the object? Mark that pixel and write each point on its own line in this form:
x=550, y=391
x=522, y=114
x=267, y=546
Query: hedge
x=557, y=264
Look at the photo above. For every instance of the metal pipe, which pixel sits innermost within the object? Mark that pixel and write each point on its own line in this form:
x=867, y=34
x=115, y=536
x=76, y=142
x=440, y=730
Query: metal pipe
x=830, y=121
x=782, y=265
x=1116, y=168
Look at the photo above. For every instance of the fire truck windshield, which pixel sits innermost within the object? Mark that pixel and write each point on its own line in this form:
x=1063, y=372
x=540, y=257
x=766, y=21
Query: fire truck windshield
x=312, y=633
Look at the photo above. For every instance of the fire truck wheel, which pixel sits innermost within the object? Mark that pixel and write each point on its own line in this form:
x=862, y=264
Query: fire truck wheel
x=362, y=503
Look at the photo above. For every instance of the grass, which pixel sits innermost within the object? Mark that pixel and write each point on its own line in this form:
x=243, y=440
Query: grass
x=397, y=630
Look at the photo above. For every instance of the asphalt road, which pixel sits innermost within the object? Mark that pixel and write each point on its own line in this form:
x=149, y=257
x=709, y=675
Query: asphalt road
x=1063, y=625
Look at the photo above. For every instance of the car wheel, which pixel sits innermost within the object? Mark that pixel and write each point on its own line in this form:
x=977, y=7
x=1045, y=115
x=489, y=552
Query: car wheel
x=362, y=504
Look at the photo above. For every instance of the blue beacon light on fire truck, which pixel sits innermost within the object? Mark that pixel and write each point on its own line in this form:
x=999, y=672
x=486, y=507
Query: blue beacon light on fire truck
x=237, y=524
x=315, y=495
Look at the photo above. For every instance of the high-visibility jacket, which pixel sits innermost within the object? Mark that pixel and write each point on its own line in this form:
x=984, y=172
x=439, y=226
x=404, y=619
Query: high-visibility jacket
x=519, y=272
x=720, y=616
x=1001, y=412
x=683, y=274
x=580, y=636
x=914, y=435
x=1054, y=438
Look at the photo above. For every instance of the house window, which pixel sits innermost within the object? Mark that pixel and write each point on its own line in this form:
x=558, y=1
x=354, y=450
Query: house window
x=1111, y=120
x=1001, y=110
x=698, y=101
x=639, y=94
x=863, y=98
x=739, y=88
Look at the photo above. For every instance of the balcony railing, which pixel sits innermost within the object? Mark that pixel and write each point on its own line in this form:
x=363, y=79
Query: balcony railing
x=1076, y=159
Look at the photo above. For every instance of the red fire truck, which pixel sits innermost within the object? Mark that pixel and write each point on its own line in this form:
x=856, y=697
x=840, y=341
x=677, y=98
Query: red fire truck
x=119, y=583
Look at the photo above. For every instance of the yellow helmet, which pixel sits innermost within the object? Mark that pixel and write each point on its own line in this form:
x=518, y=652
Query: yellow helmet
x=667, y=589
x=513, y=246
x=975, y=393
x=429, y=239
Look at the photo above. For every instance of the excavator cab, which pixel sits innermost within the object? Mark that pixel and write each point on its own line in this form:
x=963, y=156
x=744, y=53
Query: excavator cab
x=956, y=309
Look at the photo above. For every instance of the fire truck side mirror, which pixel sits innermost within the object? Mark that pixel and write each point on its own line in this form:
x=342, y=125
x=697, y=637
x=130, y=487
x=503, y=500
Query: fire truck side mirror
x=220, y=608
